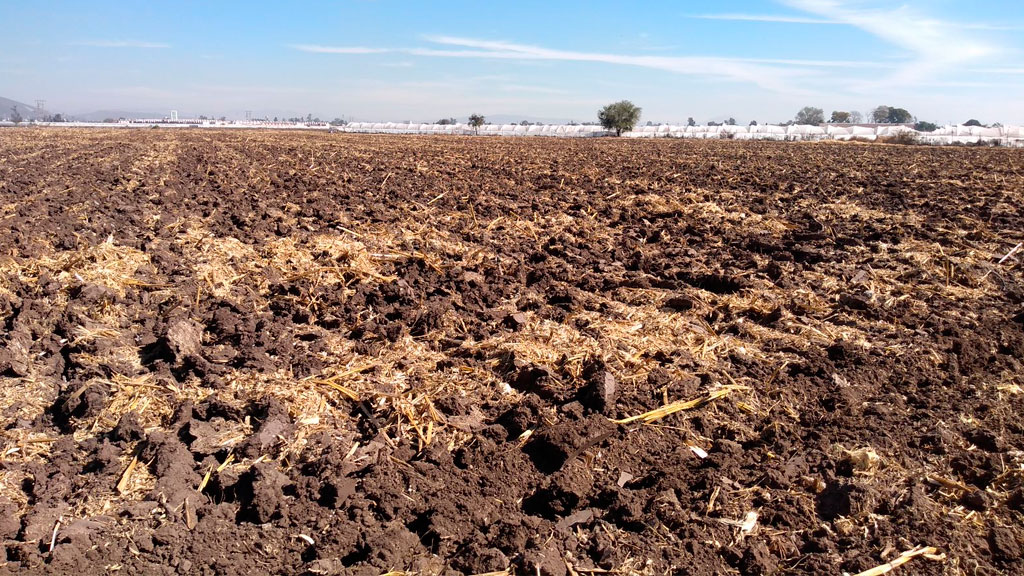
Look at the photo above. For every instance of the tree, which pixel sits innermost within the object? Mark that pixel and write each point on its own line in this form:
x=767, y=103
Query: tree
x=972, y=122
x=923, y=126
x=900, y=116
x=810, y=115
x=620, y=116
x=840, y=117
x=338, y=122
x=856, y=117
x=15, y=115
x=889, y=115
x=690, y=121
x=476, y=121
x=730, y=122
x=752, y=123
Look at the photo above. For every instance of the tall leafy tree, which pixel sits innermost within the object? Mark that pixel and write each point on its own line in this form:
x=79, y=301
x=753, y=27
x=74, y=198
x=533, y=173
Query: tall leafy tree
x=891, y=115
x=476, y=121
x=840, y=117
x=620, y=116
x=900, y=116
x=810, y=115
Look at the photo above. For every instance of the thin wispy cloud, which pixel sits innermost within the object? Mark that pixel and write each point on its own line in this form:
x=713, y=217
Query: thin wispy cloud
x=1000, y=70
x=644, y=43
x=790, y=19
x=994, y=27
x=319, y=49
x=763, y=59
x=927, y=51
x=782, y=19
x=532, y=89
x=933, y=43
x=780, y=75
x=250, y=89
x=679, y=64
x=932, y=49
x=122, y=44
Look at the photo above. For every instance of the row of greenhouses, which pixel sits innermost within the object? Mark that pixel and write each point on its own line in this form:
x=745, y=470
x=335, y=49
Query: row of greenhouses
x=1007, y=135
x=953, y=134
x=570, y=130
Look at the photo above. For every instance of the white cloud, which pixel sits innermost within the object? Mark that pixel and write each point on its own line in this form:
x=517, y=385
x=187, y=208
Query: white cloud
x=1001, y=70
x=788, y=19
x=781, y=75
x=761, y=73
x=532, y=89
x=982, y=26
x=933, y=43
x=765, y=18
x=929, y=49
x=318, y=49
x=122, y=44
x=250, y=89
x=778, y=75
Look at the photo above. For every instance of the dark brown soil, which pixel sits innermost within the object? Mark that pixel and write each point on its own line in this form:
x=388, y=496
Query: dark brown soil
x=227, y=353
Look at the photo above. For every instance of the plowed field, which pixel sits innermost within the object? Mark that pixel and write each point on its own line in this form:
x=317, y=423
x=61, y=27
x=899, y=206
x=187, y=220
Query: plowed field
x=275, y=353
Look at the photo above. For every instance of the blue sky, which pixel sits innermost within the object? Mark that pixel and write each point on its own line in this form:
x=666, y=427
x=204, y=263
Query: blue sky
x=944, y=60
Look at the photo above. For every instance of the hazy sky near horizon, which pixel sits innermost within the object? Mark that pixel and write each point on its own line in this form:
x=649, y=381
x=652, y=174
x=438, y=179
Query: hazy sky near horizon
x=944, y=60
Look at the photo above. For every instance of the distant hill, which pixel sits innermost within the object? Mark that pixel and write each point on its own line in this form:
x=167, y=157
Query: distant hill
x=29, y=112
x=26, y=111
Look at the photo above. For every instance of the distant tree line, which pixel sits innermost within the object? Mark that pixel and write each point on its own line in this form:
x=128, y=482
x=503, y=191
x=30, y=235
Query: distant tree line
x=880, y=115
x=17, y=117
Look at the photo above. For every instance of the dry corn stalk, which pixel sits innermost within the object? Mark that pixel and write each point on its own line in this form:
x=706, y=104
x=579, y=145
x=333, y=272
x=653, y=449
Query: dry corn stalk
x=929, y=552
x=680, y=405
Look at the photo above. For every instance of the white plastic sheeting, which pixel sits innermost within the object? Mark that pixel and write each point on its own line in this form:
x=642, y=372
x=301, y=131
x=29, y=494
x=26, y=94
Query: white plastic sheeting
x=952, y=134
x=1005, y=135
